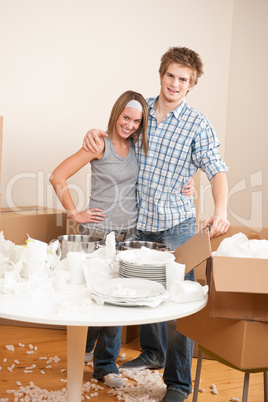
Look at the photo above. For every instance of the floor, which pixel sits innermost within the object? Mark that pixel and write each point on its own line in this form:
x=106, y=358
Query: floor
x=39, y=356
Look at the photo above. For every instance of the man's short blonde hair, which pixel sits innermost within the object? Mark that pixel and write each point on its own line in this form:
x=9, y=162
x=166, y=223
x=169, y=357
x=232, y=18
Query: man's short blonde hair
x=185, y=57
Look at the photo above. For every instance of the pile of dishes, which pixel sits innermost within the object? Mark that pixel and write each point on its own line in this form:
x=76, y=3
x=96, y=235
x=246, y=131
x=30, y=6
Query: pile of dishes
x=127, y=292
x=144, y=263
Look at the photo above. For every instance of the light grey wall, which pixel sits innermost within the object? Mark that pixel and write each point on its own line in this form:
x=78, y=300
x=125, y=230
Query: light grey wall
x=64, y=63
x=247, y=129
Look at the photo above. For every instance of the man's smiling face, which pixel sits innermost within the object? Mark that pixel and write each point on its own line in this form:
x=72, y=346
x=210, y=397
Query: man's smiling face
x=176, y=83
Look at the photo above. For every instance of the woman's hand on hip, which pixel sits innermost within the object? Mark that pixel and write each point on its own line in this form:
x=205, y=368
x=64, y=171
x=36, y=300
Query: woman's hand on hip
x=94, y=215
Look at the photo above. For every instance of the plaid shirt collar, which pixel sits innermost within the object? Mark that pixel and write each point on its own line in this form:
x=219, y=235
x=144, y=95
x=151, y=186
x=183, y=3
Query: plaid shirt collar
x=178, y=112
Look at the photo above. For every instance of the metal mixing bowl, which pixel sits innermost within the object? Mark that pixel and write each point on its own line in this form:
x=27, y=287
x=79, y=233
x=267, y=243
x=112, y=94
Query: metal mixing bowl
x=77, y=243
x=132, y=244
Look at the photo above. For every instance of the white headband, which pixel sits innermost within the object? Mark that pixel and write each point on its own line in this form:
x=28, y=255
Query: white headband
x=134, y=104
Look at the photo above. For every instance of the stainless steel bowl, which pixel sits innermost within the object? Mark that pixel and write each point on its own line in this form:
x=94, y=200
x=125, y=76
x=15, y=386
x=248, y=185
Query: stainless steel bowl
x=132, y=244
x=77, y=243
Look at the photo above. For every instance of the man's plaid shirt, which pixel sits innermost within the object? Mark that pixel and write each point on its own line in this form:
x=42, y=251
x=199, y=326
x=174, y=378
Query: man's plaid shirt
x=183, y=142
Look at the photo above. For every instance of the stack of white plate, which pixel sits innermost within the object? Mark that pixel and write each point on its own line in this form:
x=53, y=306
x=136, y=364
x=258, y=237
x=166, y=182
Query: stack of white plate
x=127, y=292
x=144, y=263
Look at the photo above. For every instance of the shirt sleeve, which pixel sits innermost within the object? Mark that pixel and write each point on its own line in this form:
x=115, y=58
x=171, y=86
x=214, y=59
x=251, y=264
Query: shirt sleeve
x=205, y=153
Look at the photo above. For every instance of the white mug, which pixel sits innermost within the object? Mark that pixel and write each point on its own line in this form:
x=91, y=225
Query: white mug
x=74, y=262
x=5, y=265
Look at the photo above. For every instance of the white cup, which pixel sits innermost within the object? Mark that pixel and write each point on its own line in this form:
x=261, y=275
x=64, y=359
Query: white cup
x=36, y=258
x=174, y=272
x=74, y=262
x=5, y=265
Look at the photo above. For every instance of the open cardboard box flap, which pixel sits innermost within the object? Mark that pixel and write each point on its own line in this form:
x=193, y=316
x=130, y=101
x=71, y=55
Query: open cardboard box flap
x=195, y=251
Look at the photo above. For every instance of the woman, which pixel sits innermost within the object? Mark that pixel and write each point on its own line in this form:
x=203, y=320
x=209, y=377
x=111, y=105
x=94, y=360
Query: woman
x=112, y=205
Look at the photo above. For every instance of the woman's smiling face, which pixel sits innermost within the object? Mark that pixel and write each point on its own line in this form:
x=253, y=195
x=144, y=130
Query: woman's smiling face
x=128, y=122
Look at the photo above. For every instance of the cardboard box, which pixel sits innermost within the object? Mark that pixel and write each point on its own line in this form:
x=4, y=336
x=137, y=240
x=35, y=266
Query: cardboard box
x=39, y=223
x=239, y=342
x=129, y=333
x=238, y=287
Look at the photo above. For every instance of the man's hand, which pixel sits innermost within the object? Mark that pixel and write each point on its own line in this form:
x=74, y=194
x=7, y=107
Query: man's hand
x=91, y=141
x=89, y=215
x=218, y=225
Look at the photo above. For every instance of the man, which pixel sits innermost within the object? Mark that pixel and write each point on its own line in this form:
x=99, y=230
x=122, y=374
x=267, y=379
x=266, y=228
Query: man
x=180, y=140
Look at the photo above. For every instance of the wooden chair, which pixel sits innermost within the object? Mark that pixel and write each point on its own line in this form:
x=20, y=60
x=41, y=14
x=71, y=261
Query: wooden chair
x=220, y=360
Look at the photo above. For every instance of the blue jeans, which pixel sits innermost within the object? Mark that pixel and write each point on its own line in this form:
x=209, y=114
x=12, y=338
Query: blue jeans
x=161, y=343
x=106, y=350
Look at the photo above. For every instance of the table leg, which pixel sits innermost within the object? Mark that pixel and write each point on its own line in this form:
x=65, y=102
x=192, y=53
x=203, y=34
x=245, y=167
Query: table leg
x=76, y=343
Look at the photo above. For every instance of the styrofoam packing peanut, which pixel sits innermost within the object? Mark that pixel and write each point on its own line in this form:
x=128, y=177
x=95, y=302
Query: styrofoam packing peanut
x=43, y=358
x=10, y=369
x=22, y=345
x=63, y=370
x=29, y=352
x=63, y=380
x=19, y=384
x=4, y=360
x=42, y=372
x=233, y=399
x=30, y=367
x=122, y=357
x=213, y=386
x=49, y=366
x=36, y=348
x=28, y=371
x=201, y=390
x=1, y=368
x=31, y=346
x=87, y=396
x=10, y=347
x=214, y=391
x=16, y=362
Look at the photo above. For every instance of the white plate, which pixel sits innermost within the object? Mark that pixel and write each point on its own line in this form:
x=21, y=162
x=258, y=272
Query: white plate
x=142, y=276
x=145, y=256
x=130, y=288
x=143, y=269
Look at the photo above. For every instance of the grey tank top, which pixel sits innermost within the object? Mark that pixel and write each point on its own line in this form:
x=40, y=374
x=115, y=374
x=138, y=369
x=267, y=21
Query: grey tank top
x=113, y=189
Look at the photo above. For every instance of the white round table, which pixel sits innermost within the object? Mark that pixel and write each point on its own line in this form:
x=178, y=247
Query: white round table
x=45, y=310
